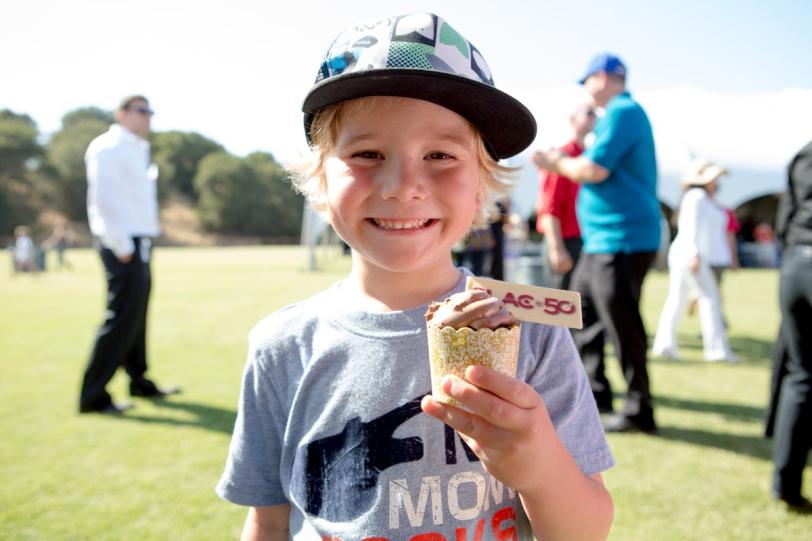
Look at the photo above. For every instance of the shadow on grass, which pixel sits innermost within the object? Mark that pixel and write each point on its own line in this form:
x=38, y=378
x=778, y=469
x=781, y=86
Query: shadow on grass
x=746, y=348
x=736, y=412
x=208, y=417
x=754, y=446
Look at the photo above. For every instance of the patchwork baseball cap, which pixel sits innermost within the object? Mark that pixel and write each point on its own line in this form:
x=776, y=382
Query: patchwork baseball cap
x=421, y=56
x=606, y=62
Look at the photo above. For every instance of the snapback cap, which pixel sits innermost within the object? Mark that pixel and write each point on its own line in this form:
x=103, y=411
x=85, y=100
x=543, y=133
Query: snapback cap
x=421, y=56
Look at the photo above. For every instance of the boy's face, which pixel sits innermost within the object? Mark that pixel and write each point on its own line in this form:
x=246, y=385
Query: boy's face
x=402, y=183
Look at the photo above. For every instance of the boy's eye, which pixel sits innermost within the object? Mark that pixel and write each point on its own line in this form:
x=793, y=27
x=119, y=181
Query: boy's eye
x=439, y=156
x=368, y=155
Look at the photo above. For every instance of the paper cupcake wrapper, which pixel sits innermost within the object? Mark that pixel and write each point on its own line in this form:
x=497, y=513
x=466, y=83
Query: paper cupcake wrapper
x=452, y=350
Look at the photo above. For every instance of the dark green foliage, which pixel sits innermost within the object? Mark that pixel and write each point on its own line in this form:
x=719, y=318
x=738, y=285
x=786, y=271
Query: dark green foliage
x=239, y=196
x=250, y=196
x=19, y=154
x=85, y=114
x=283, y=203
x=65, y=158
x=178, y=155
x=18, y=143
x=16, y=207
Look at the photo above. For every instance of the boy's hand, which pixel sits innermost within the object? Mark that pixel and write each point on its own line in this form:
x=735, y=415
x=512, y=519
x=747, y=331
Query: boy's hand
x=506, y=427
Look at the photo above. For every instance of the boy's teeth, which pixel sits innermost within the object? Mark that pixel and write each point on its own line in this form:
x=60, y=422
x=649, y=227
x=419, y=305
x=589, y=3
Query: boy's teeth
x=391, y=224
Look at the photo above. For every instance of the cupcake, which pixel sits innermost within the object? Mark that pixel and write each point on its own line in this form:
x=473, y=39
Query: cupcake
x=470, y=327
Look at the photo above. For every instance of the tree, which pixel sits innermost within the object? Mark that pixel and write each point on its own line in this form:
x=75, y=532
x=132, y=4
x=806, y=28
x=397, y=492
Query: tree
x=18, y=143
x=178, y=155
x=229, y=195
x=16, y=207
x=249, y=196
x=87, y=114
x=284, y=205
x=18, y=147
x=65, y=154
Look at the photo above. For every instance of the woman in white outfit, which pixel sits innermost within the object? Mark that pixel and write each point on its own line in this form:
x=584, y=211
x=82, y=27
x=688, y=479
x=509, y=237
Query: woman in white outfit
x=689, y=261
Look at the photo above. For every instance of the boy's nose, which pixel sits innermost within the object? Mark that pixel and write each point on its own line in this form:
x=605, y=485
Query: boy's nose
x=403, y=179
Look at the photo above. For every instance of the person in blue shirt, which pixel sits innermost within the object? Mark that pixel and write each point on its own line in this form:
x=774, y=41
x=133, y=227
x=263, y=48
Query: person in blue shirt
x=619, y=214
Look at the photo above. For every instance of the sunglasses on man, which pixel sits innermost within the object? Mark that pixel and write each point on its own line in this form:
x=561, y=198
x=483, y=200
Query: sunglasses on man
x=141, y=110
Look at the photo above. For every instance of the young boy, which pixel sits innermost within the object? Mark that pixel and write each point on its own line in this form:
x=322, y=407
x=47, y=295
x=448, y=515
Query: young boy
x=335, y=437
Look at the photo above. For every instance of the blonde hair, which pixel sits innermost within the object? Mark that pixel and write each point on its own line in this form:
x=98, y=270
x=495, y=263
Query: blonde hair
x=494, y=182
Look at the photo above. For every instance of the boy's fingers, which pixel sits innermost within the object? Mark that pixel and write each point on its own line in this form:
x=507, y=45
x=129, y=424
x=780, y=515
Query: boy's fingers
x=456, y=418
x=505, y=387
x=477, y=433
x=488, y=408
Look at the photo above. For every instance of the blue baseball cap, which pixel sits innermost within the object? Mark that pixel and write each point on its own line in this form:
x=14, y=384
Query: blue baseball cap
x=606, y=62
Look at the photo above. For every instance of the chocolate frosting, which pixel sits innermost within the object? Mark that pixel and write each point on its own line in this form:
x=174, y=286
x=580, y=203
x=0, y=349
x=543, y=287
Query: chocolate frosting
x=473, y=308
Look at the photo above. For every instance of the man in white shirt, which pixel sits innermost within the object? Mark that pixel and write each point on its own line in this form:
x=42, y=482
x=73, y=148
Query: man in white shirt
x=122, y=209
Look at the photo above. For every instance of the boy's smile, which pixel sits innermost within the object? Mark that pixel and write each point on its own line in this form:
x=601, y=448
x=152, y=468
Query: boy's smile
x=401, y=224
x=402, y=184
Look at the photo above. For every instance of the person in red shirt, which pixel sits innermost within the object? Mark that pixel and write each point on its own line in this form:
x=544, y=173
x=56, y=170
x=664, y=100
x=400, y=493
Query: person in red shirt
x=555, y=208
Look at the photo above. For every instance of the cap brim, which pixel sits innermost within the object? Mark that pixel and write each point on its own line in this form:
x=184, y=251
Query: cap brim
x=506, y=125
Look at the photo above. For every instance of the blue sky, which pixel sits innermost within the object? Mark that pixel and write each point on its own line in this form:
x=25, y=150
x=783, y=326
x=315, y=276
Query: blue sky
x=236, y=71
x=722, y=45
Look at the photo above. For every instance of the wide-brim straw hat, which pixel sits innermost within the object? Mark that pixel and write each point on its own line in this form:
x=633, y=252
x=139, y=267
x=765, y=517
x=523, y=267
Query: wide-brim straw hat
x=702, y=172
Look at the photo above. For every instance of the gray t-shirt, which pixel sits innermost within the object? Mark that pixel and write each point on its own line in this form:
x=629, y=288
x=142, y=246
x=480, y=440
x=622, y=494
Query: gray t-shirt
x=330, y=422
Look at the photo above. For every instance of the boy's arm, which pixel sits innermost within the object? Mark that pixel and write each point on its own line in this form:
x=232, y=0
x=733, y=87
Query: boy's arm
x=509, y=429
x=267, y=524
x=576, y=507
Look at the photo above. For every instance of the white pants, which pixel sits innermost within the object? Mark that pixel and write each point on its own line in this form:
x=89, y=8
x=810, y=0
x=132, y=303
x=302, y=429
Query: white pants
x=681, y=283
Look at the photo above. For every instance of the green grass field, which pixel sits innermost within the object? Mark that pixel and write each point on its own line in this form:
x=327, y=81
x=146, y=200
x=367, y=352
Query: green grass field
x=149, y=475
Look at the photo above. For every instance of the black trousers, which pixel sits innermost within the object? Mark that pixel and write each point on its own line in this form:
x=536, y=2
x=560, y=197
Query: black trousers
x=610, y=287
x=792, y=438
x=121, y=338
x=779, y=370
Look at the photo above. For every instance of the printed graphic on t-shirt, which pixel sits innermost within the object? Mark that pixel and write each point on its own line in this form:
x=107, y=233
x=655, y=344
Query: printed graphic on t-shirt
x=339, y=476
x=349, y=463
